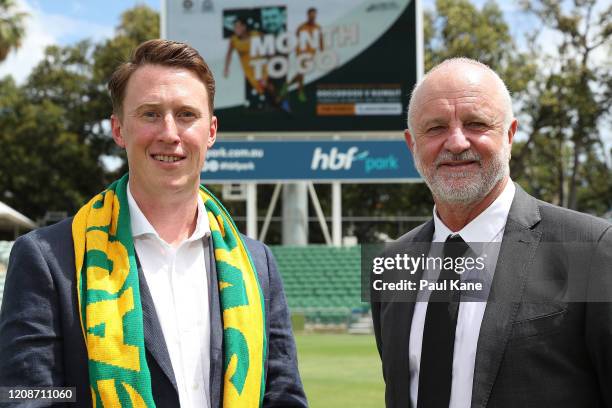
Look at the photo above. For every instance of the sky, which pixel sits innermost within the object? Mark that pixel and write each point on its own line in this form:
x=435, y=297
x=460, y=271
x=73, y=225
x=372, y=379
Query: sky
x=64, y=22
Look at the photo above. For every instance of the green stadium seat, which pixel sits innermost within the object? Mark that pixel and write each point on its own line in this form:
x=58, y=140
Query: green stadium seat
x=323, y=282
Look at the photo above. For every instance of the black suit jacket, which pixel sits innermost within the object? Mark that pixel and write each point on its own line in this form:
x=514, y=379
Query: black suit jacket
x=41, y=341
x=535, y=348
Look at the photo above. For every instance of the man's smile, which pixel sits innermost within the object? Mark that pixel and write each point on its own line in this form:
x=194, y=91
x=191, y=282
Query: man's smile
x=167, y=158
x=459, y=164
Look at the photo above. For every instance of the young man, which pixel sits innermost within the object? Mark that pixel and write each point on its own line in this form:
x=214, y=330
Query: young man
x=150, y=295
x=542, y=336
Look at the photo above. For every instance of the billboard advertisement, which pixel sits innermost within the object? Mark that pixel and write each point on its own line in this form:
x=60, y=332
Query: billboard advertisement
x=322, y=161
x=303, y=66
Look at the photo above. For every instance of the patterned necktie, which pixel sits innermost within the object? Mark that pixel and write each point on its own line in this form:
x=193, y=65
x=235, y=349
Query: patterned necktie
x=436, y=369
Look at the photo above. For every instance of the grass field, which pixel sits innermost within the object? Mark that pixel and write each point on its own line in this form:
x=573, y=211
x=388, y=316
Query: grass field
x=340, y=370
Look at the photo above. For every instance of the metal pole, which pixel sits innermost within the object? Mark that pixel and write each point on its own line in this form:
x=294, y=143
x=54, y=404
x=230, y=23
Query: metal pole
x=320, y=216
x=337, y=213
x=270, y=212
x=251, y=210
x=295, y=214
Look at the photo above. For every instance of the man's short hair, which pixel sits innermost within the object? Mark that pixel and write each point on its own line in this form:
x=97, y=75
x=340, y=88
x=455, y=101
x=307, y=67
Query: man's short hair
x=165, y=53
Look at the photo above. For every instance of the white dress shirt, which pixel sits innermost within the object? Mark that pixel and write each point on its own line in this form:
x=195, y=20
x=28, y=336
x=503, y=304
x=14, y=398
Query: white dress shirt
x=488, y=226
x=178, y=283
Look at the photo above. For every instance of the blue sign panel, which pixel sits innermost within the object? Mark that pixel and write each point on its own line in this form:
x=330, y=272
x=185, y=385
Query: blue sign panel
x=382, y=160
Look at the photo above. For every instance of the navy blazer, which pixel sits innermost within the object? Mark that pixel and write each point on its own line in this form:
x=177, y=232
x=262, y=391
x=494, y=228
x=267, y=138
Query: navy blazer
x=41, y=341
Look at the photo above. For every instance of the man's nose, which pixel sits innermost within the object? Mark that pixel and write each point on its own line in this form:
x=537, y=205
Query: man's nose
x=169, y=132
x=456, y=141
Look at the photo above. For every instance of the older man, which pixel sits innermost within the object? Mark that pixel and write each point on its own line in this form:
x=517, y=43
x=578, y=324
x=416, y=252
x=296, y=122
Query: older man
x=544, y=337
x=150, y=296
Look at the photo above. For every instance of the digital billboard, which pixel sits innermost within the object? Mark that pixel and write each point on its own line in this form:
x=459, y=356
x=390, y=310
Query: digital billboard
x=303, y=66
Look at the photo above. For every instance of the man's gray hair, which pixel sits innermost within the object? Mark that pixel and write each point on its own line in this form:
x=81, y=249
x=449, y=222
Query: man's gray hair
x=508, y=114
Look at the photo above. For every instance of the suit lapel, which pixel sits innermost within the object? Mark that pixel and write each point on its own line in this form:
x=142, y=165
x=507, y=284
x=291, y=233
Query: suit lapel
x=216, y=329
x=398, y=315
x=517, y=251
x=154, y=337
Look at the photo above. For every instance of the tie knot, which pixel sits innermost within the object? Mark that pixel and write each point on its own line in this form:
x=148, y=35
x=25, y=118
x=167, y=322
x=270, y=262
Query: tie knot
x=454, y=238
x=455, y=246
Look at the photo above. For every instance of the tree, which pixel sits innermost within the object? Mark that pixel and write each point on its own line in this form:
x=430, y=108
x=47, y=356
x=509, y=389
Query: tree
x=570, y=98
x=12, y=27
x=54, y=129
x=44, y=166
x=457, y=28
x=138, y=24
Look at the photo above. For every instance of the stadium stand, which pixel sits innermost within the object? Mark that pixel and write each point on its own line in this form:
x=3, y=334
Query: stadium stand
x=323, y=283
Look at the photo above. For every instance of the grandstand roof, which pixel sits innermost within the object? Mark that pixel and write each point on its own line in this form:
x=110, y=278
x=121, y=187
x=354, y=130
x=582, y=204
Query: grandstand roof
x=11, y=219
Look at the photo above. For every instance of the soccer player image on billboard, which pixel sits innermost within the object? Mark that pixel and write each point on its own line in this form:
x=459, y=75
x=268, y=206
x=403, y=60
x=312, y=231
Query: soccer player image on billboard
x=244, y=28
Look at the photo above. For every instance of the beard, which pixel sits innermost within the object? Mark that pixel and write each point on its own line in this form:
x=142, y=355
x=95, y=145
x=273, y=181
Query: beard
x=464, y=187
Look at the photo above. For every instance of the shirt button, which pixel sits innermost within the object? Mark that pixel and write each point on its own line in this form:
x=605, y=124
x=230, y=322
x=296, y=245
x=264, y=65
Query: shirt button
x=196, y=386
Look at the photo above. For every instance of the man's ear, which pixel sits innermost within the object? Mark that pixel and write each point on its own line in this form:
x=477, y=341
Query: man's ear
x=409, y=140
x=212, y=132
x=116, y=128
x=512, y=130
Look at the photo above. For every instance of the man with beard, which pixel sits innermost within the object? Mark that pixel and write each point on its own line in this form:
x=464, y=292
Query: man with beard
x=540, y=333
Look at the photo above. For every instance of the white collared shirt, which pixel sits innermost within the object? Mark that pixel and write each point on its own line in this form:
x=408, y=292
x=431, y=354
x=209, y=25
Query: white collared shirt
x=488, y=226
x=178, y=283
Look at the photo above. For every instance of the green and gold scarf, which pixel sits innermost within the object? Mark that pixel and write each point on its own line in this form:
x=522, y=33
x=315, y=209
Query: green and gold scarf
x=111, y=310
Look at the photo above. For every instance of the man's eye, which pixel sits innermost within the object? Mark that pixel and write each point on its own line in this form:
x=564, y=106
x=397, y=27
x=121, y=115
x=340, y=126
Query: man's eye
x=149, y=114
x=435, y=128
x=187, y=114
x=477, y=125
